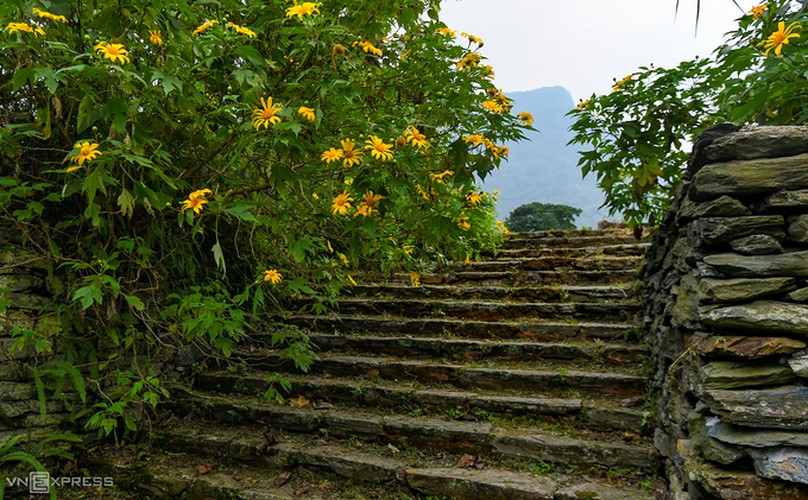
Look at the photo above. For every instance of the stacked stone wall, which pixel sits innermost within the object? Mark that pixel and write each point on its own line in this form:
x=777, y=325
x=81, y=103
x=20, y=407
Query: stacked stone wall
x=726, y=287
x=27, y=305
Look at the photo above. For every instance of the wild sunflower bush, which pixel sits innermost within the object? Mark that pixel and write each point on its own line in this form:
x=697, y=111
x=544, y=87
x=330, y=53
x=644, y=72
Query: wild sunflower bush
x=187, y=168
x=635, y=137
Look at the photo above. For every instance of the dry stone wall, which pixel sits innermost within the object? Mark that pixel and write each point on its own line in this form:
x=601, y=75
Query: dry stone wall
x=727, y=314
x=23, y=286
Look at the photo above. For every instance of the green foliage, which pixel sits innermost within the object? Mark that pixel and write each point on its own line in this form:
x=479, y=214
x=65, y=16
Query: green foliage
x=180, y=177
x=542, y=216
x=29, y=456
x=634, y=138
x=543, y=468
x=276, y=388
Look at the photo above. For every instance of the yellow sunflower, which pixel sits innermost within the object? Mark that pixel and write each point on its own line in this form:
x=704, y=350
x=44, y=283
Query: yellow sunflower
x=526, y=118
x=304, y=9
x=205, y=26
x=378, y=148
x=474, y=139
x=25, y=28
x=87, y=151
x=267, y=114
x=366, y=207
x=351, y=155
x=48, y=15
x=416, y=138
x=474, y=198
x=341, y=203
x=780, y=37
x=273, y=276
x=331, y=155
x=758, y=11
x=196, y=200
x=439, y=177
x=369, y=48
x=307, y=113
x=241, y=29
x=115, y=52
x=155, y=38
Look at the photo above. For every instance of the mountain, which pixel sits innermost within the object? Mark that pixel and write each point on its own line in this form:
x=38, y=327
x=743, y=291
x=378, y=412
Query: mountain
x=543, y=168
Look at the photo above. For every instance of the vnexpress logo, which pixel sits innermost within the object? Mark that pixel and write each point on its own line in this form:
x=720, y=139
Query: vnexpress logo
x=39, y=482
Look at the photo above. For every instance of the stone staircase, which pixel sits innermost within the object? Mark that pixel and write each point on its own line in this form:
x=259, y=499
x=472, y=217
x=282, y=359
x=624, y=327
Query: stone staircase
x=519, y=376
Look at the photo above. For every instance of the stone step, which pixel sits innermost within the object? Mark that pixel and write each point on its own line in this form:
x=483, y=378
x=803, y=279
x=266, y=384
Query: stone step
x=430, y=327
x=621, y=250
x=552, y=263
x=486, y=311
x=560, y=381
x=420, y=432
x=476, y=350
x=458, y=405
x=370, y=465
x=193, y=461
x=541, y=293
x=535, y=240
x=466, y=276
x=570, y=233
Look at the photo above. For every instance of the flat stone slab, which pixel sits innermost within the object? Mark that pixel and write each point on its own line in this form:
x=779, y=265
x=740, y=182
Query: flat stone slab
x=759, y=142
x=787, y=464
x=575, y=451
x=745, y=177
x=719, y=230
x=758, y=266
x=757, y=244
x=736, y=375
x=780, y=408
x=786, y=199
x=761, y=317
x=539, y=331
x=358, y=466
x=595, y=491
x=723, y=206
x=714, y=346
x=490, y=484
x=713, y=290
x=437, y=433
x=733, y=483
x=756, y=438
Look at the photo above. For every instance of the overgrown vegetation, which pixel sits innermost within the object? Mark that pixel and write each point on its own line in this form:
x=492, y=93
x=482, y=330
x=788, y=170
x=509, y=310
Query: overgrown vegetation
x=186, y=168
x=635, y=138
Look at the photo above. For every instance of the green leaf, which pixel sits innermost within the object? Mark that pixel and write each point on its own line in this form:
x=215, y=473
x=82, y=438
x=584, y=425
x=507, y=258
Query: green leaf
x=300, y=285
x=168, y=82
x=127, y=203
x=135, y=302
x=87, y=114
x=251, y=55
x=299, y=248
x=117, y=110
x=49, y=76
x=93, y=183
x=218, y=256
x=242, y=211
x=88, y=295
x=21, y=77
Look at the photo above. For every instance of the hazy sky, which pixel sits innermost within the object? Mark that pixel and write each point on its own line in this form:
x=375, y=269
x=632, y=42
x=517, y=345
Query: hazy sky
x=583, y=45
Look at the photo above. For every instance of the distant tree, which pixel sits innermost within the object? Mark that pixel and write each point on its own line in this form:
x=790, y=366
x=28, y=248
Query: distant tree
x=542, y=216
